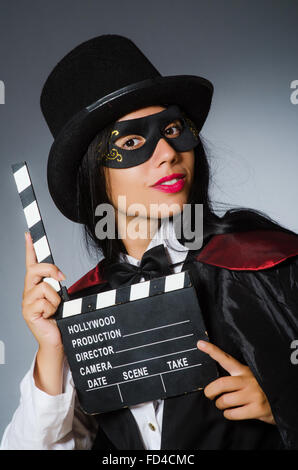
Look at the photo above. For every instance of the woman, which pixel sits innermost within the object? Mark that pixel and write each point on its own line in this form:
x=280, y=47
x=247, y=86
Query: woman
x=245, y=272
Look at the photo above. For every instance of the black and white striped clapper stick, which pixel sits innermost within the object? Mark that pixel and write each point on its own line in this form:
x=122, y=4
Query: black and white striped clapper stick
x=34, y=222
x=124, y=294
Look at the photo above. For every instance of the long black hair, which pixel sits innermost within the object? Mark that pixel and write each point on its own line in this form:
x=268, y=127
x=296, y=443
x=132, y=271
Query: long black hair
x=92, y=190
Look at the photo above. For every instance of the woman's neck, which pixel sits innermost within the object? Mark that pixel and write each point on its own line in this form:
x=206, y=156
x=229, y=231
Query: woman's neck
x=136, y=233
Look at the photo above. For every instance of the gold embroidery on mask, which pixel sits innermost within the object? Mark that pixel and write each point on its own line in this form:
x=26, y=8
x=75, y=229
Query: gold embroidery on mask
x=113, y=153
x=98, y=147
x=191, y=125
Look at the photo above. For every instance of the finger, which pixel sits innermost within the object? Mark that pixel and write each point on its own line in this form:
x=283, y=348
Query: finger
x=30, y=252
x=41, y=307
x=49, y=311
x=243, y=412
x=38, y=271
x=223, y=385
x=42, y=291
x=228, y=362
x=231, y=400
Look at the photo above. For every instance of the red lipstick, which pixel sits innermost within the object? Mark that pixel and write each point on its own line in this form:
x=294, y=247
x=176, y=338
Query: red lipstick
x=174, y=187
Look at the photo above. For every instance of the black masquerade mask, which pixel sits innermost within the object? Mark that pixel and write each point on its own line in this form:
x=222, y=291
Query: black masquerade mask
x=152, y=128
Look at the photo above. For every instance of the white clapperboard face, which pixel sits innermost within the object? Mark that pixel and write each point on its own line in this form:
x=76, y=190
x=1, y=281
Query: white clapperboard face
x=132, y=344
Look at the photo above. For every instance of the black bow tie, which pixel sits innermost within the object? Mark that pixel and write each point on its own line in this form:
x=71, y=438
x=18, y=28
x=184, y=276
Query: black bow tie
x=154, y=263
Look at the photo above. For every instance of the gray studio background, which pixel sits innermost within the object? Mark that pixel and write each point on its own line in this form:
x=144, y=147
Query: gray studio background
x=248, y=49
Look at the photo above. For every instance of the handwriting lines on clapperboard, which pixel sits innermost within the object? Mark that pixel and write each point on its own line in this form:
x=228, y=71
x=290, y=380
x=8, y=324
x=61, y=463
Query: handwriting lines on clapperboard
x=123, y=295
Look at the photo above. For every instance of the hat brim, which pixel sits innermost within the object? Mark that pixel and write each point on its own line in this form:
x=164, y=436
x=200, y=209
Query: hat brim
x=192, y=93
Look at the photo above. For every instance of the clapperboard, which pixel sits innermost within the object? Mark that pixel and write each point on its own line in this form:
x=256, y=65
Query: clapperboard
x=128, y=345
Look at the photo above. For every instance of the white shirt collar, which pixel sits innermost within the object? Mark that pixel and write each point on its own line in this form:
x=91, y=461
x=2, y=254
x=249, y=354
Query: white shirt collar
x=166, y=235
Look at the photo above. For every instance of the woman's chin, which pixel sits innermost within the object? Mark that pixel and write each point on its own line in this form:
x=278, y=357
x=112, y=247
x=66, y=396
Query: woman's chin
x=172, y=203
x=168, y=210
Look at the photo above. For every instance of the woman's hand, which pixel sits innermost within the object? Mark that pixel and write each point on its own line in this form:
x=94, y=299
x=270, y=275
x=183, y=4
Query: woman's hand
x=40, y=302
x=241, y=396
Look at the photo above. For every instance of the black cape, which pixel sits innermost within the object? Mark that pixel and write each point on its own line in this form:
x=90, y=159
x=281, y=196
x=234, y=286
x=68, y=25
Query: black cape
x=247, y=290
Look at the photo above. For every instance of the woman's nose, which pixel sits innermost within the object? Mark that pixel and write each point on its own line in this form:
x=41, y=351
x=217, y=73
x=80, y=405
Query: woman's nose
x=163, y=152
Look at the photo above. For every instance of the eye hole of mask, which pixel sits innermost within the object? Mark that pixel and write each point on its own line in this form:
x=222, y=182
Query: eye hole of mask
x=135, y=141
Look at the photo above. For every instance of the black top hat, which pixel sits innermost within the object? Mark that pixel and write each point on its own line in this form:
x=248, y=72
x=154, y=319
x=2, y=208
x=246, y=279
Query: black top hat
x=97, y=82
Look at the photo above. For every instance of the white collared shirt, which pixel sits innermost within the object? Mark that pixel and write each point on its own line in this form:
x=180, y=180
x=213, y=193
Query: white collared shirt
x=48, y=422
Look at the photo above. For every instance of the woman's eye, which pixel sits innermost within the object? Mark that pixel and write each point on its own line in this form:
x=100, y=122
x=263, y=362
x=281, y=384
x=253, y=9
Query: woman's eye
x=130, y=143
x=174, y=130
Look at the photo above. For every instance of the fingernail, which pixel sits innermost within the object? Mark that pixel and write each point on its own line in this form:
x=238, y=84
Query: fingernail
x=202, y=344
x=27, y=236
x=61, y=276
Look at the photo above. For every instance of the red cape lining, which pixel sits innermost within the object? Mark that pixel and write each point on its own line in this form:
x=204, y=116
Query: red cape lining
x=255, y=250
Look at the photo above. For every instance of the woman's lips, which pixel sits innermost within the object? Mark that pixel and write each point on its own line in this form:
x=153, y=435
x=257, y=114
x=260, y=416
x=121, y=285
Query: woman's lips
x=177, y=185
